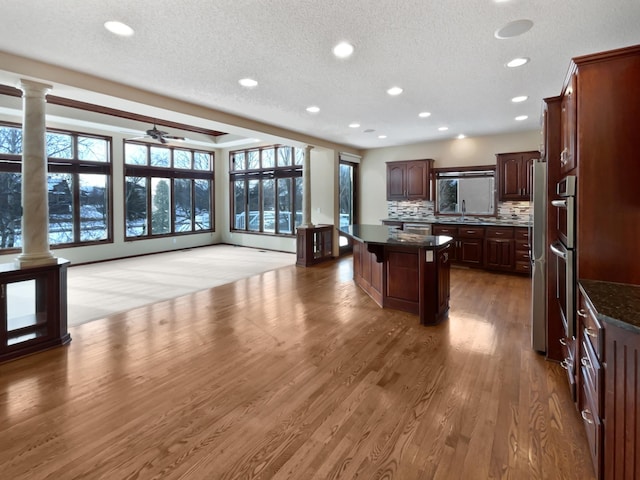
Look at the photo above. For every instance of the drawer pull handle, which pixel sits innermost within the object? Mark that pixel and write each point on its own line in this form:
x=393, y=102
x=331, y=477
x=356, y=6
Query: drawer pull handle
x=563, y=342
x=589, y=331
x=586, y=418
x=581, y=313
x=585, y=362
x=565, y=364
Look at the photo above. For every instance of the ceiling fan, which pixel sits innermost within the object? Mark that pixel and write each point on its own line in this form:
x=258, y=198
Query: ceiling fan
x=160, y=136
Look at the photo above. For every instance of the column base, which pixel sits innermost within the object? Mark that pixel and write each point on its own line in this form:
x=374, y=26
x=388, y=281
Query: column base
x=27, y=260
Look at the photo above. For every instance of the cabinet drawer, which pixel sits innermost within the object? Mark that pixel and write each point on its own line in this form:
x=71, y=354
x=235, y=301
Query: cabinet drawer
x=499, y=232
x=568, y=352
x=522, y=245
x=521, y=234
x=590, y=367
x=471, y=232
x=523, y=267
x=592, y=425
x=522, y=256
x=444, y=230
x=591, y=327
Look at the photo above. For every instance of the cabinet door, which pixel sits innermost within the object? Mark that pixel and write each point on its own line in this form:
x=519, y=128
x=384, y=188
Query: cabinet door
x=568, y=126
x=509, y=171
x=526, y=178
x=499, y=254
x=417, y=180
x=396, y=181
x=470, y=251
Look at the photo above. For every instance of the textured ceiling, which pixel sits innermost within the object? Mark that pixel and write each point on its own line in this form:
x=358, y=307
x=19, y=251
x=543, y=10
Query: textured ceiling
x=443, y=54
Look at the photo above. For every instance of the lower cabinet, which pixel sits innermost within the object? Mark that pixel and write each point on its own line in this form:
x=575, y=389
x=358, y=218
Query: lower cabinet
x=608, y=378
x=522, y=250
x=499, y=248
x=467, y=248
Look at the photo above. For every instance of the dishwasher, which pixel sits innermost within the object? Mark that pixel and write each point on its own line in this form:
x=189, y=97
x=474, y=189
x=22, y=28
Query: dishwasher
x=419, y=228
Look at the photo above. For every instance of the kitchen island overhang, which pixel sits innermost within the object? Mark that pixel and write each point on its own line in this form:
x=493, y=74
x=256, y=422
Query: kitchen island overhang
x=402, y=271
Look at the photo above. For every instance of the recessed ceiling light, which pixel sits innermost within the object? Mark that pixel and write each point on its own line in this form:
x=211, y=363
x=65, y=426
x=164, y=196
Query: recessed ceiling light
x=520, y=118
x=519, y=99
x=517, y=62
x=513, y=29
x=118, y=28
x=382, y=136
x=394, y=91
x=248, y=82
x=461, y=136
x=424, y=114
x=313, y=109
x=354, y=125
x=343, y=50
x=443, y=129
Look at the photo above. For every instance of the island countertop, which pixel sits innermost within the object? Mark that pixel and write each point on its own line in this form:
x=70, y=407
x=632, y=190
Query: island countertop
x=383, y=235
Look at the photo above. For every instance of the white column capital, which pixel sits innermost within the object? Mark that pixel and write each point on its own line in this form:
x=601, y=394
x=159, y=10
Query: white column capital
x=33, y=88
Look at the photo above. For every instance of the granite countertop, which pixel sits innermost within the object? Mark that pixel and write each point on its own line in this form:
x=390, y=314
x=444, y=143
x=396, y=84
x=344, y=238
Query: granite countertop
x=616, y=303
x=466, y=221
x=383, y=235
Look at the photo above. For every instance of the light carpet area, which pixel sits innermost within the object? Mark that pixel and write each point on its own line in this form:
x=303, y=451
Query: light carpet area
x=101, y=289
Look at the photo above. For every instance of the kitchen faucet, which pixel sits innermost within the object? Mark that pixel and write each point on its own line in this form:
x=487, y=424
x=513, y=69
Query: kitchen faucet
x=464, y=209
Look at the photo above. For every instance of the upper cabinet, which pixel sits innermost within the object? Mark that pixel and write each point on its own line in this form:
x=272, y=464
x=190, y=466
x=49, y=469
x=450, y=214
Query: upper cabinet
x=568, y=124
x=514, y=175
x=409, y=180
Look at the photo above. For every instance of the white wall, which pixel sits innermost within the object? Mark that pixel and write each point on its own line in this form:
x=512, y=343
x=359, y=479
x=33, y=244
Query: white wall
x=447, y=153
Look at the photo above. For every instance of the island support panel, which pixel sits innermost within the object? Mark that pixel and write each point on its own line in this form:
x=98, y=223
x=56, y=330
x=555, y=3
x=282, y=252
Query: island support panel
x=410, y=279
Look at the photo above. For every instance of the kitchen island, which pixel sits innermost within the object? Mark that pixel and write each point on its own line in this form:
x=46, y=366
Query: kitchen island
x=402, y=271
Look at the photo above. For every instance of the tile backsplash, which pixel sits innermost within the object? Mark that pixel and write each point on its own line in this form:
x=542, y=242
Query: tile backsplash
x=423, y=211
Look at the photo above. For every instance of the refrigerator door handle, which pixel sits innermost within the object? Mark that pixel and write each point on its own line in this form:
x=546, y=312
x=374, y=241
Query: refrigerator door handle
x=558, y=251
x=559, y=203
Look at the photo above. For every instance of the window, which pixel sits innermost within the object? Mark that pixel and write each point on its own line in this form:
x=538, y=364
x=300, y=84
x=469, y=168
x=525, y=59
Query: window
x=168, y=190
x=465, y=191
x=267, y=189
x=78, y=182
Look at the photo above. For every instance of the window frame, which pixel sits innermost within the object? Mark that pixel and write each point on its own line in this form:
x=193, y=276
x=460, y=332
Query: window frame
x=275, y=172
x=12, y=163
x=169, y=173
x=465, y=172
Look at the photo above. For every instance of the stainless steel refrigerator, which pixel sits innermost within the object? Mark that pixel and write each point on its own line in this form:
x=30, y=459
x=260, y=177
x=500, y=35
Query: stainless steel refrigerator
x=538, y=242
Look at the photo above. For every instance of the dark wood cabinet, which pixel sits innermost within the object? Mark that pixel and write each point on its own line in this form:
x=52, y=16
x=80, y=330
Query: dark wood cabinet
x=410, y=278
x=514, y=175
x=551, y=143
x=314, y=245
x=450, y=231
x=621, y=403
x=499, y=248
x=471, y=246
x=590, y=375
x=33, y=309
x=568, y=124
x=522, y=257
x=409, y=180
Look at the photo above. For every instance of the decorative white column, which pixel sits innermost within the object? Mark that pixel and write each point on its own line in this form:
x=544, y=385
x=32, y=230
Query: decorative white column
x=35, y=206
x=306, y=188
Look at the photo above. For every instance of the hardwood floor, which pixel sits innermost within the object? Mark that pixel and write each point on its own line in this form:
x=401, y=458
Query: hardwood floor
x=296, y=374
